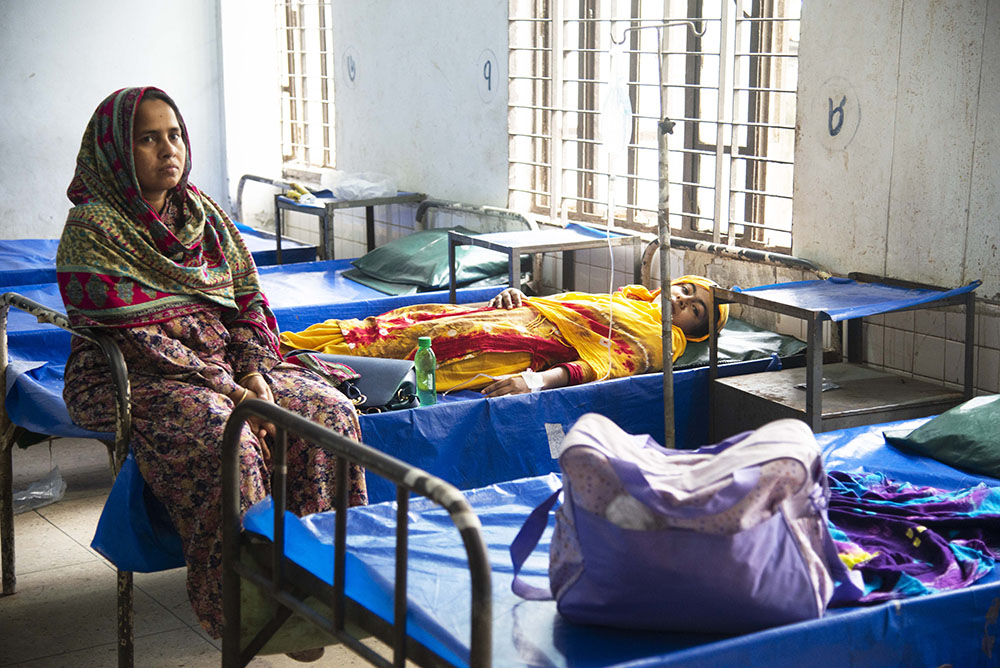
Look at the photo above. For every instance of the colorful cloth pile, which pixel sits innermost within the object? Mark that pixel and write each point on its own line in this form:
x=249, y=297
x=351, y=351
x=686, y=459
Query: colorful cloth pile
x=909, y=541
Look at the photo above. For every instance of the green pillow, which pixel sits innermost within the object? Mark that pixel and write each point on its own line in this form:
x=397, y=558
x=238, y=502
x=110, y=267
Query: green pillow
x=421, y=259
x=738, y=341
x=966, y=437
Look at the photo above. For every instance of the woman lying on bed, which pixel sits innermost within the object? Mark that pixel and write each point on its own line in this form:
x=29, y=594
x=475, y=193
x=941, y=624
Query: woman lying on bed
x=516, y=343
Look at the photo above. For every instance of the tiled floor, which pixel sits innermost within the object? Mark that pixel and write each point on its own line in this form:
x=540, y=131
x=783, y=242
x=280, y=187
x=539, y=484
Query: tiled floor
x=63, y=614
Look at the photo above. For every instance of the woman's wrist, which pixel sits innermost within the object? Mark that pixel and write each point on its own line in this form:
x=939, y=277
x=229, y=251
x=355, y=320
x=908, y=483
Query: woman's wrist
x=555, y=377
x=534, y=380
x=240, y=379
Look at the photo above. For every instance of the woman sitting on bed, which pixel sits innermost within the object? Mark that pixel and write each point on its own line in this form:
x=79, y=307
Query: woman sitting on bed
x=564, y=339
x=157, y=265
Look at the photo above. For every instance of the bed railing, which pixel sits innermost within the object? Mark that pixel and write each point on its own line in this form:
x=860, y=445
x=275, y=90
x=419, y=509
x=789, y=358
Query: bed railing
x=731, y=252
x=117, y=451
x=277, y=183
x=408, y=479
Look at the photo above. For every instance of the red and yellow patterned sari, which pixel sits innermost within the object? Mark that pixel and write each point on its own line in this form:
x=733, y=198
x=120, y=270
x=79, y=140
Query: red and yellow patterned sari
x=594, y=336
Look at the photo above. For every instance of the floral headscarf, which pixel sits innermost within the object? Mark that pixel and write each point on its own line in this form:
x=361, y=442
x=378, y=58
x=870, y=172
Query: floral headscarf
x=120, y=264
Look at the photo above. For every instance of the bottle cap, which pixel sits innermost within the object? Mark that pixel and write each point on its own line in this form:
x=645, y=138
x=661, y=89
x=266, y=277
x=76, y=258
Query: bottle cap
x=424, y=342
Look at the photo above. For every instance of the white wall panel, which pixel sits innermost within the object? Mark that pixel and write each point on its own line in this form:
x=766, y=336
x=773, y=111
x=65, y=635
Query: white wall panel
x=983, y=236
x=912, y=191
x=843, y=153
x=941, y=53
x=61, y=58
x=423, y=105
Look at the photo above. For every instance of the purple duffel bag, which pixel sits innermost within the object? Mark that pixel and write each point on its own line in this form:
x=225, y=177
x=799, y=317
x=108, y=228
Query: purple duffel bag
x=724, y=539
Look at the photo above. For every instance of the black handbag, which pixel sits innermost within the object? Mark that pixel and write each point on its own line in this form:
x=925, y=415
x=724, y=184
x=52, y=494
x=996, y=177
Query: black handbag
x=380, y=384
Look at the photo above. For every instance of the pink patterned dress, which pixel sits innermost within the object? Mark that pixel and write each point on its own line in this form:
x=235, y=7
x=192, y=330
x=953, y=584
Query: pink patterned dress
x=179, y=370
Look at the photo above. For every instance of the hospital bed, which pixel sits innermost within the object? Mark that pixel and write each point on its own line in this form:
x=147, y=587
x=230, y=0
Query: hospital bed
x=531, y=451
x=34, y=403
x=357, y=564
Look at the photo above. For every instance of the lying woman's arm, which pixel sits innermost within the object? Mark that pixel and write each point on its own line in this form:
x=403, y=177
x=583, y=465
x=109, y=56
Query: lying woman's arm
x=517, y=384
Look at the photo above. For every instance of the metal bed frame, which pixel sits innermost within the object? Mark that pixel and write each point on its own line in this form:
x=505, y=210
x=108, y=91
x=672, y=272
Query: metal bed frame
x=118, y=446
x=117, y=451
x=284, y=572
x=407, y=479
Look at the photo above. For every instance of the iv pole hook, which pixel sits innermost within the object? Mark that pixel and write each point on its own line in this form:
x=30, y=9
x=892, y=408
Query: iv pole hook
x=667, y=24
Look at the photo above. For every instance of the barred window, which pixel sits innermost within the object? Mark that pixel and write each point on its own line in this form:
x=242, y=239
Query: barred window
x=306, y=70
x=731, y=92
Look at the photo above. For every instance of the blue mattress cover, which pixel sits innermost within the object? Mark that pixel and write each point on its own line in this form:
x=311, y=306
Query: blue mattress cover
x=845, y=299
x=476, y=441
x=946, y=628
x=468, y=440
x=27, y=261
x=300, y=295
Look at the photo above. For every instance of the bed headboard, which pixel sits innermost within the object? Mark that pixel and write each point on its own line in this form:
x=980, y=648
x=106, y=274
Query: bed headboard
x=432, y=214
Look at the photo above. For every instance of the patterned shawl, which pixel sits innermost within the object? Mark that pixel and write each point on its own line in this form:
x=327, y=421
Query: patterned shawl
x=120, y=265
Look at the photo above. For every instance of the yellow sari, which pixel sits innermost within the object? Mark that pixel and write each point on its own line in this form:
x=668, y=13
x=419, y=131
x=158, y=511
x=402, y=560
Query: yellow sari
x=593, y=336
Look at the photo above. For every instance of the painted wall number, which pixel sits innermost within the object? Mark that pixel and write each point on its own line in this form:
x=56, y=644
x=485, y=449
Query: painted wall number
x=842, y=111
x=490, y=75
x=351, y=64
x=838, y=114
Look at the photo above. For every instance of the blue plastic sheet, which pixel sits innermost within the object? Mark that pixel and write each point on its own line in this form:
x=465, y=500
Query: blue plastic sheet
x=864, y=450
x=468, y=441
x=263, y=246
x=844, y=299
x=299, y=294
x=150, y=543
x=34, y=403
x=27, y=261
x=310, y=292
x=593, y=232
x=481, y=441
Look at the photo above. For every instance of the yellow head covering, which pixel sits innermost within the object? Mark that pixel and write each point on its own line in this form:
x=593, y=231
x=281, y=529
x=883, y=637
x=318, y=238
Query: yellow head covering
x=722, y=310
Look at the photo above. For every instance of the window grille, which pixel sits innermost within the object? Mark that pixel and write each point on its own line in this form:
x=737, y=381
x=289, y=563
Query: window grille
x=731, y=92
x=306, y=70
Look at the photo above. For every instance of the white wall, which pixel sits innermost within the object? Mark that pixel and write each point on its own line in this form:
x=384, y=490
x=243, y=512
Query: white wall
x=61, y=58
x=908, y=186
x=418, y=108
x=252, y=120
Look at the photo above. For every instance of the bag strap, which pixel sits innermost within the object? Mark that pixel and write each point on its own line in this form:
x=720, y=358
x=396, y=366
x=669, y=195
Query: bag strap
x=524, y=544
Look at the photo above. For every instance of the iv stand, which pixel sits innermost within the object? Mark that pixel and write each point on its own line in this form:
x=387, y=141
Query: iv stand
x=664, y=127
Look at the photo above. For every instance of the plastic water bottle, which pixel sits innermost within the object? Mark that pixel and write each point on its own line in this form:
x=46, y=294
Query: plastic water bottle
x=425, y=364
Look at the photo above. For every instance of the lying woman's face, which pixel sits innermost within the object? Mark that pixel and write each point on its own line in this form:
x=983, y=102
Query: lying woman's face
x=689, y=307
